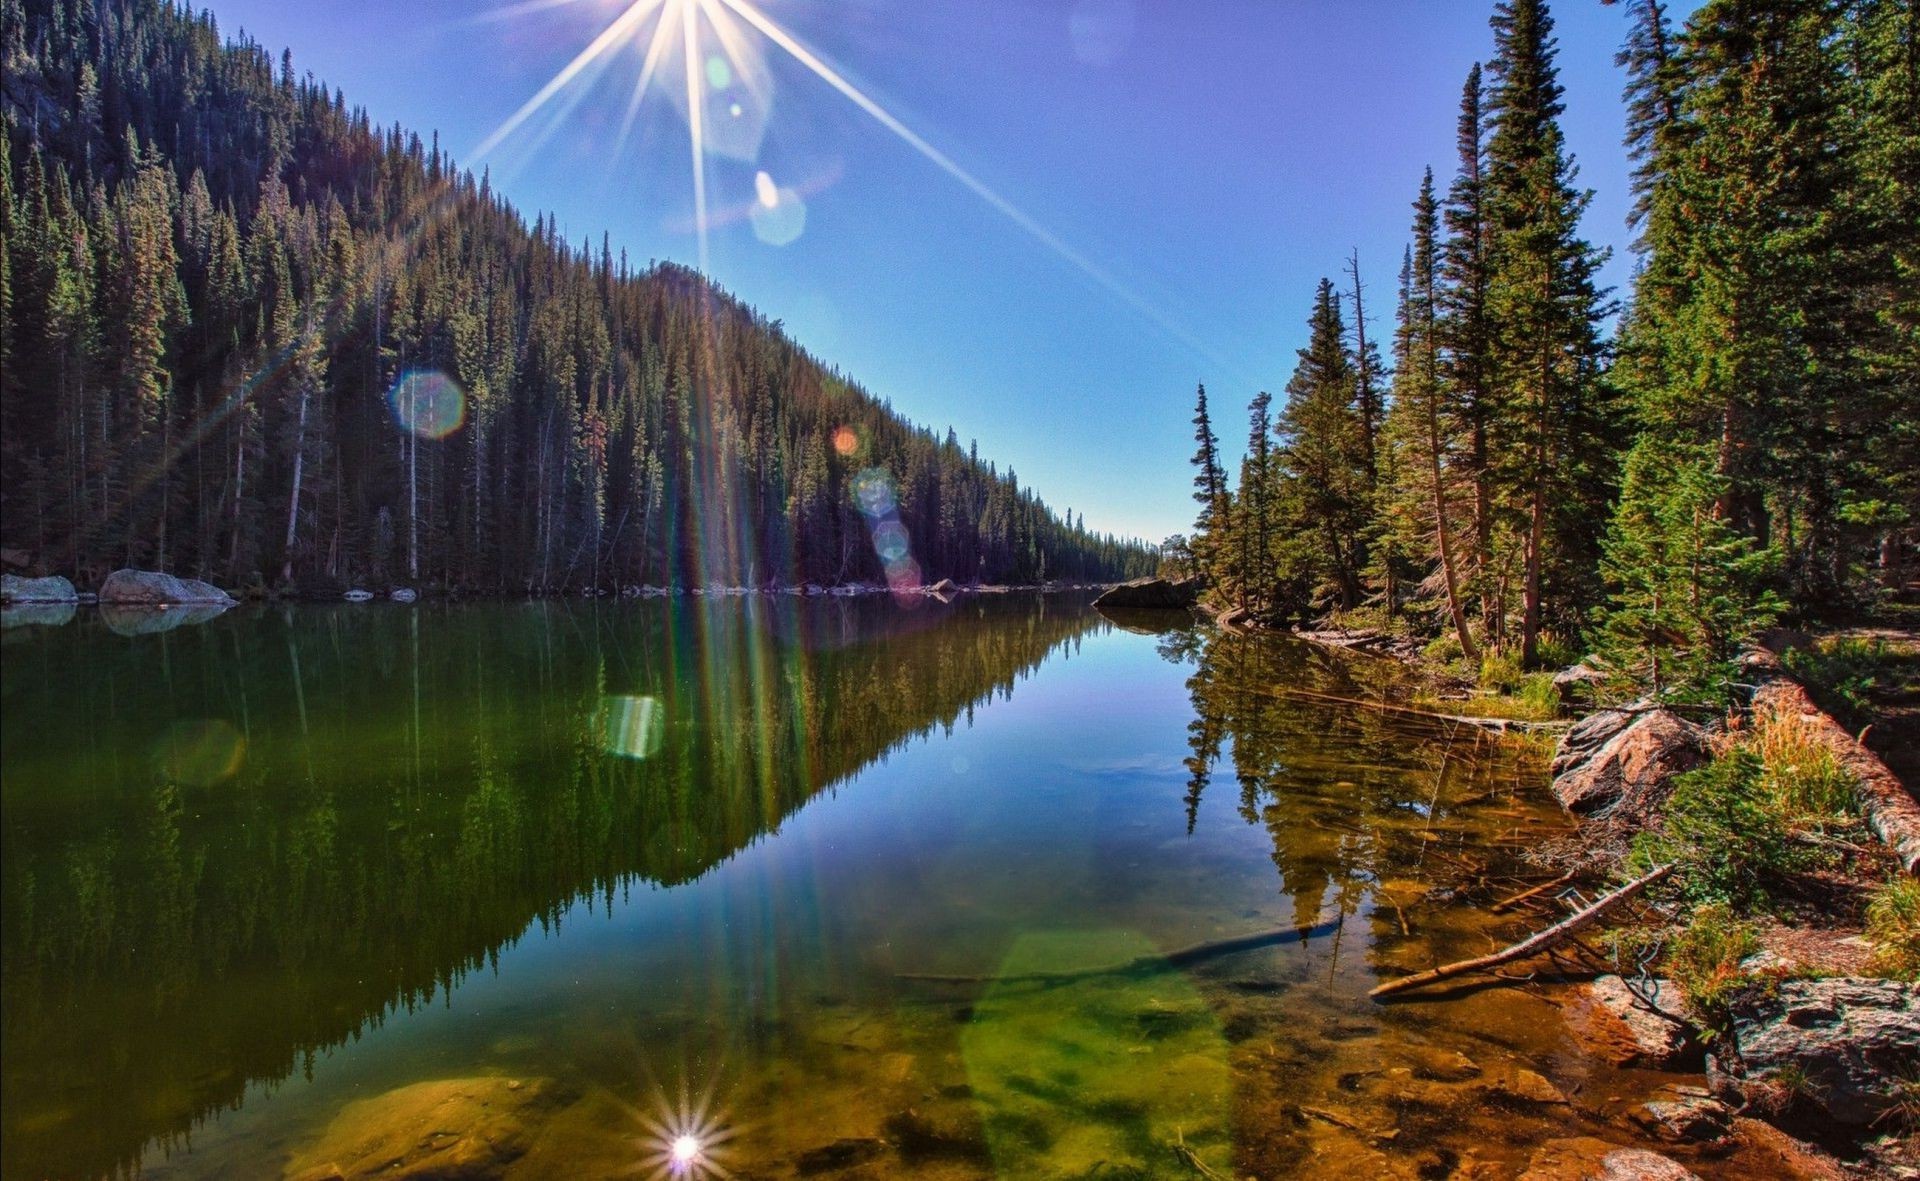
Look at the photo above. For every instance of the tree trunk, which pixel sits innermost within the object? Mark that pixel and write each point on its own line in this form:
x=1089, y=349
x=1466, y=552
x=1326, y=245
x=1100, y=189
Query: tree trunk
x=293, y=502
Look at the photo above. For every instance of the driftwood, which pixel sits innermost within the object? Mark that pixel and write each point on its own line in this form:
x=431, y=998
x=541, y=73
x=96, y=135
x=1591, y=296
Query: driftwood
x=1889, y=808
x=1535, y=892
x=1193, y=953
x=1532, y=945
x=1497, y=725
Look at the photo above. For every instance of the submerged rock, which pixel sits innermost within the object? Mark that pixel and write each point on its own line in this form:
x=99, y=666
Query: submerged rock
x=1152, y=592
x=447, y=1130
x=1688, y=1115
x=841, y=1154
x=1842, y=1046
x=51, y=589
x=404, y=594
x=1616, y=762
x=147, y=588
x=359, y=596
x=1586, y=1158
x=1614, y=1024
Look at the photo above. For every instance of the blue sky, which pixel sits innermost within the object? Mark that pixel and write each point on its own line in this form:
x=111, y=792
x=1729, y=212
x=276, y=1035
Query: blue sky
x=1211, y=159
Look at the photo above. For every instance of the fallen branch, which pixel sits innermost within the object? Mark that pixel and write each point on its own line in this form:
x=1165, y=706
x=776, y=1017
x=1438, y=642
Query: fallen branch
x=1524, y=895
x=1180, y=958
x=1534, y=944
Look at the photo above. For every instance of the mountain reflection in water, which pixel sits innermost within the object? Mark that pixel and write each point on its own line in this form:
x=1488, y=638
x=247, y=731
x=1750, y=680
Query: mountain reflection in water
x=271, y=878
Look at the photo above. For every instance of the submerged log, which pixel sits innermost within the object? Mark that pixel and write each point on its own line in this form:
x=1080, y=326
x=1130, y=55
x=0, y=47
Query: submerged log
x=1889, y=808
x=1532, y=945
x=1179, y=958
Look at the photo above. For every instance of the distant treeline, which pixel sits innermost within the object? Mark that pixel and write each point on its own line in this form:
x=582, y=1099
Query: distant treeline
x=249, y=336
x=1747, y=442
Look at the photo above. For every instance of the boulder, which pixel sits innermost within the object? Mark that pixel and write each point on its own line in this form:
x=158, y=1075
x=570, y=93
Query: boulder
x=1152, y=592
x=52, y=589
x=1614, y=1024
x=404, y=594
x=1586, y=1158
x=1687, y=1115
x=447, y=1130
x=1841, y=1045
x=1631, y=771
x=1582, y=678
x=145, y=588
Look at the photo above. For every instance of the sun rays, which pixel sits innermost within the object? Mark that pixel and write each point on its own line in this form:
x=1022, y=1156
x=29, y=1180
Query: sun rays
x=726, y=88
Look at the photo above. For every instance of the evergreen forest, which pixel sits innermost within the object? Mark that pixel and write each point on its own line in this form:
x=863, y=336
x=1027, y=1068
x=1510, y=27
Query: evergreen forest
x=251, y=337
x=1528, y=466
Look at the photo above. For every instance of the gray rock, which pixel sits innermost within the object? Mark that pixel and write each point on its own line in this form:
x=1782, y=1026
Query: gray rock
x=404, y=594
x=359, y=596
x=1581, y=678
x=51, y=589
x=1152, y=592
x=1632, y=771
x=146, y=588
x=1844, y=1043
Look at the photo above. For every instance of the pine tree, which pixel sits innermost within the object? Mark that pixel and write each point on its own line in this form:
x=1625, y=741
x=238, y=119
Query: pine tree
x=1209, y=487
x=1323, y=479
x=1466, y=344
x=1425, y=431
x=1686, y=587
x=1545, y=308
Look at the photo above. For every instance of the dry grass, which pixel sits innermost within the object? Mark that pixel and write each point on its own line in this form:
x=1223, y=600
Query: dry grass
x=1800, y=771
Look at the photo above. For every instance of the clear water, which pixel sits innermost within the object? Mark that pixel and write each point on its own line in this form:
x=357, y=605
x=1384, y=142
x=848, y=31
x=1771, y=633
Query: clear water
x=680, y=867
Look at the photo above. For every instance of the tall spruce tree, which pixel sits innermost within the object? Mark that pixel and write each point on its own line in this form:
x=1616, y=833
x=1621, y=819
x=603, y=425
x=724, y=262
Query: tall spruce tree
x=1425, y=428
x=1545, y=354
x=1324, y=485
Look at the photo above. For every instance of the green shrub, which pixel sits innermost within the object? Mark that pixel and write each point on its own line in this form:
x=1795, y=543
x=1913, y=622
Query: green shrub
x=1893, y=927
x=1726, y=831
x=1705, y=960
x=1844, y=671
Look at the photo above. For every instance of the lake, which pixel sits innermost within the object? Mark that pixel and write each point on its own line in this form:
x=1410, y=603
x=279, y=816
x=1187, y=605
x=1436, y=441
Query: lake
x=759, y=886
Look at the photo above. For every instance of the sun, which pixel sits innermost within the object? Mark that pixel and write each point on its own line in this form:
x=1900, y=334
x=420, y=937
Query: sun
x=710, y=60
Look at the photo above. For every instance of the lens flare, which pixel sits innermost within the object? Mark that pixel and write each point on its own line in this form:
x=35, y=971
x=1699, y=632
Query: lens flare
x=686, y=1150
x=428, y=403
x=632, y=727
x=779, y=216
x=728, y=97
x=685, y=1141
x=200, y=753
x=846, y=441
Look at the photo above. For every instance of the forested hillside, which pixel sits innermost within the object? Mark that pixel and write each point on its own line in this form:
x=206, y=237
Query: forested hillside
x=1526, y=478
x=249, y=336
